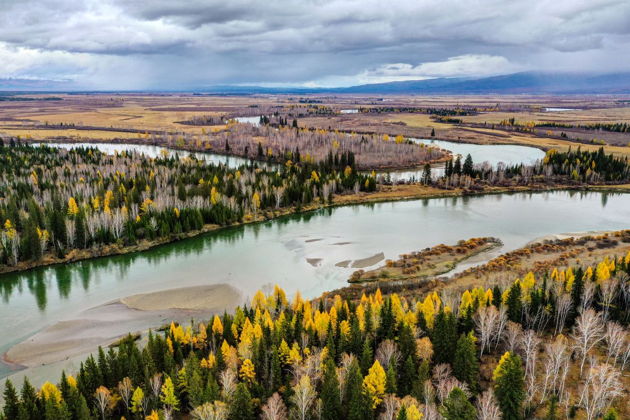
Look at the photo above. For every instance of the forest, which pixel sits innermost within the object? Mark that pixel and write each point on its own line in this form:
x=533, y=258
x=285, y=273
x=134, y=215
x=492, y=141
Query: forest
x=56, y=200
x=278, y=137
x=551, y=344
x=566, y=168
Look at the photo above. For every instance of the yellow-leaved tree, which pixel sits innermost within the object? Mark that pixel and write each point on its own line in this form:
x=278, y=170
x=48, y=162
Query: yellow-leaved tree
x=73, y=209
x=247, y=372
x=374, y=383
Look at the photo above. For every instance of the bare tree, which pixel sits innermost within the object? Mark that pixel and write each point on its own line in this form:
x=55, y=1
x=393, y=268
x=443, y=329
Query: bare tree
x=103, y=397
x=125, y=389
x=387, y=352
x=556, y=358
x=529, y=342
x=391, y=403
x=274, y=409
x=487, y=407
x=615, y=337
x=609, y=290
x=445, y=382
x=228, y=382
x=601, y=386
x=563, y=306
x=486, y=320
x=156, y=385
x=211, y=411
x=501, y=324
x=512, y=335
x=588, y=331
x=431, y=412
x=70, y=232
x=587, y=296
x=303, y=397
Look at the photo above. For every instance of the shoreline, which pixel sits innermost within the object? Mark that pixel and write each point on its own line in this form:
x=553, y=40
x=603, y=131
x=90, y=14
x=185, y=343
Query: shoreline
x=105, y=324
x=393, y=193
x=448, y=155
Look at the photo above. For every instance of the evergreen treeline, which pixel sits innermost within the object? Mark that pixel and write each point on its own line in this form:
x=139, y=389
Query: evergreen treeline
x=443, y=112
x=391, y=357
x=618, y=127
x=557, y=167
x=57, y=200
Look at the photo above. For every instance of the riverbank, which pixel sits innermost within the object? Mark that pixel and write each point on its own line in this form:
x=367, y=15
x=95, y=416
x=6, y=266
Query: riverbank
x=104, y=324
x=385, y=193
x=429, y=262
x=541, y=255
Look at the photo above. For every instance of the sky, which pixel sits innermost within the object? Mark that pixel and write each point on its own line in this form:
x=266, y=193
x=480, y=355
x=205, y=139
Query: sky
x=192, y=44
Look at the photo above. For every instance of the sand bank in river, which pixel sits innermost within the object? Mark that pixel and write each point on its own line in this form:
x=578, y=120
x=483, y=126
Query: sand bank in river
x=369, y=261
x=215, y=298
x=102, y=325
x=575, y=235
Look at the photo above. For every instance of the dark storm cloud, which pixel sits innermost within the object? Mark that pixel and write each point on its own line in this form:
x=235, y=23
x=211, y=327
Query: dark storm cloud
x=167, y=43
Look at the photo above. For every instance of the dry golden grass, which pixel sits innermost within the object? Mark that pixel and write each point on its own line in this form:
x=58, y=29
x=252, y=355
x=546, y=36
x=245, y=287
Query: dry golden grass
x=417, y=120
x=36, y=134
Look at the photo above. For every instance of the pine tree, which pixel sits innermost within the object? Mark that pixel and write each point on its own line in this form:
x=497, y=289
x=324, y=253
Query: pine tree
x=367, y=356
x=241, y=407
x=457, y=406
x=407, y=377
x=356, y=402
x=444, y=337
x=31, y=247
x=514, y=303
x=11, y=401
x=509, y=386
x=465, y=363
x=402, y=414
x=551, y=410
x=390, y=386
x=468, y=166
x=330, y=393
x=611, y=414
x=29, y=409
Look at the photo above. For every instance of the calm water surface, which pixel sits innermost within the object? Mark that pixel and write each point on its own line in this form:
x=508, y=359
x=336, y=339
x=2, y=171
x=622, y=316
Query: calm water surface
x=257, y=256
x=480, y=153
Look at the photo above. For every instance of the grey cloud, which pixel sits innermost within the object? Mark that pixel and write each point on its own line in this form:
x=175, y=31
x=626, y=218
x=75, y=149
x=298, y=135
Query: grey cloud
x=296, y=41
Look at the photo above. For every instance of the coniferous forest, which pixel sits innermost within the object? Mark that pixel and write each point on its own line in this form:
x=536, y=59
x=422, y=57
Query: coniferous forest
x=383, y=357
x=58, y=200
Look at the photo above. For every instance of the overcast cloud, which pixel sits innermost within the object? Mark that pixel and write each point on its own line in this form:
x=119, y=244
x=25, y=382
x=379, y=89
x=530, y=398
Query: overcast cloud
x=171, y=44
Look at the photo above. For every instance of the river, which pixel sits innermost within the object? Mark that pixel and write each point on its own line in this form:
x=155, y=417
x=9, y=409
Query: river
x=480, y=153
x=297, y=252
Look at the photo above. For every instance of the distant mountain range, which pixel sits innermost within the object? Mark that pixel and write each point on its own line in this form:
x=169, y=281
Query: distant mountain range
x=35, y=85
x=517, y=83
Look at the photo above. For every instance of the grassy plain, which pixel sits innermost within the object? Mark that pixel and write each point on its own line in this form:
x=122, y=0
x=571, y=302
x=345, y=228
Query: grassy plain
x=104, y=117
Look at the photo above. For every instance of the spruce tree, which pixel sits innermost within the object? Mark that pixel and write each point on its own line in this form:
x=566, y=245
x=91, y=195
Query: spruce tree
x=468, y=166
x=357, y=402
x=444, y=337
x=402, y=414
x=29, y=409
x=514, y=303
x=465, y=363
x=509, y=386
x=390, y=385
x=330, y=394
x=407, y=377
x=11, y=401
x=367, y=356
x=457, y=406
x=241, y=407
